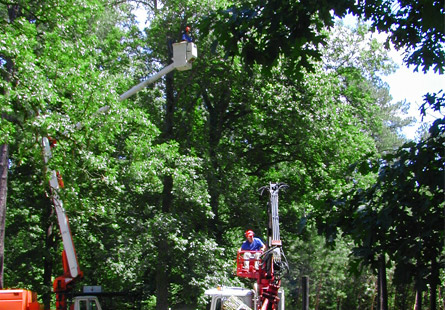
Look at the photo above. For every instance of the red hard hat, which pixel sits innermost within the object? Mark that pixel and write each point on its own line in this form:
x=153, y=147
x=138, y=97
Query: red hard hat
x=249, y=233
x=187, y=28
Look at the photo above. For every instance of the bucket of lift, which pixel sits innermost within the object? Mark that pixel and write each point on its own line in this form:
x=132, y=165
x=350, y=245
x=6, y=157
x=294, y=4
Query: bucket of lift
x=184, y=53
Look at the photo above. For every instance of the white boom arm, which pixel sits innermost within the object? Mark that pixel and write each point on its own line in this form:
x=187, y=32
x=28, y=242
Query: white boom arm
x=184, y=53
x=148, y=81
x=62, y=219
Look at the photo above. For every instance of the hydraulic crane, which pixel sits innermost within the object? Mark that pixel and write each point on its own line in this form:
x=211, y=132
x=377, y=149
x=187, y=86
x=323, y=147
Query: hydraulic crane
x=266, y=269
x=64, y=283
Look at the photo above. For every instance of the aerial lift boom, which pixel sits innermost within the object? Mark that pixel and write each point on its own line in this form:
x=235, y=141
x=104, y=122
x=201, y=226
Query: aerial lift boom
x=266, y=269
x=64, y=283
x=184, y=53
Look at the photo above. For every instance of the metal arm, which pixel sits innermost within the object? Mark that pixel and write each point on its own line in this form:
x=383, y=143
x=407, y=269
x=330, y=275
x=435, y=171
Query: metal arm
x=150, y=80
x=62, y=219
x=64, y=283
x=184, y=54
x=274, y=224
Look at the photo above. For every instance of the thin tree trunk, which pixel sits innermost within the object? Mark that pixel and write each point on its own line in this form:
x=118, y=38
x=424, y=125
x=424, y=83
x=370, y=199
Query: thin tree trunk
x=317, y=296
x=418, y=302
x=213, y=176
x=162, y=276
x=162, y=265
x=374, y=293
x=4, y=159
x=433, y=297
x=383, y=291
x=13, y=11
x=50, y=247
x=338, y=303
x=434, y=282
x=162, y=270
x=305, y=289
x=441, y=300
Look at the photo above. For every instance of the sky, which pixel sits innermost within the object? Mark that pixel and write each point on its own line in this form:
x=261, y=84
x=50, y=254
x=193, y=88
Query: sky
x=405, y=84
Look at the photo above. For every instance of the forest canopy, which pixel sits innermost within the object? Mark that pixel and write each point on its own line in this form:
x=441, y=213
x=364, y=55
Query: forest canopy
x=160, y=187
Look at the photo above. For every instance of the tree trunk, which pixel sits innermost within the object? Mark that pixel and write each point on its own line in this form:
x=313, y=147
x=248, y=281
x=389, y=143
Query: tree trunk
x=162, y=268
x=434, y=282
x=162, y=276
x=305, y=289
x=338, y=303
x=13, y=11
x=418, y=302
x=50, y=247
x=213, y=175
x=4, y=159
x=383, y=291
x=374, y=293
x=441, y=300
x=317, y=295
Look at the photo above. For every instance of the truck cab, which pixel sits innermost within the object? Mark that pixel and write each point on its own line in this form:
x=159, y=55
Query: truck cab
x=86, y=303
x=241, y=298
x=237, y=298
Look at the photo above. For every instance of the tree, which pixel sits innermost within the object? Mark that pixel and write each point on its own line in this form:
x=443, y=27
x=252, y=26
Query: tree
x=359, y=59
x=262, y=32
x=3, y=194
x=380, y=218
x=416, y=27
x=56, y=81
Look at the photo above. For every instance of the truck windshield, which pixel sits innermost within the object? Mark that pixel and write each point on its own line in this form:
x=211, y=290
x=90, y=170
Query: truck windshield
x=214, y=304
x=88, y=305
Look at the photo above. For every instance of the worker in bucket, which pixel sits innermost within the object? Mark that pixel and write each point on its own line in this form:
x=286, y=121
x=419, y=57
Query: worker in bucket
x=186, y=35
x=252, y=244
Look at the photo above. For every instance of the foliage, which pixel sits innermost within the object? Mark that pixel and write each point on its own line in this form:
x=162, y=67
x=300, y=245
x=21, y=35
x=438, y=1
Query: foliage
x=260, y=32
x=415, y=27
x=331, y=284
x=380, y=218
x=358, y=60
x=216, y=132
x=263, y=31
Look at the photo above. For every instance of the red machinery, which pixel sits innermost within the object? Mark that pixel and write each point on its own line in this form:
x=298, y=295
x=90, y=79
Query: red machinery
x=266, y=268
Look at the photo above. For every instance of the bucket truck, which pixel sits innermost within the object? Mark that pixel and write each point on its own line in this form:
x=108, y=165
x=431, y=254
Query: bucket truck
x=62, y=285
x=265, y=269
x=184, y=53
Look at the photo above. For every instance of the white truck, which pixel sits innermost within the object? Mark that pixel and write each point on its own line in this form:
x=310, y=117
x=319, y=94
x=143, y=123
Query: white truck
x=237, y=298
